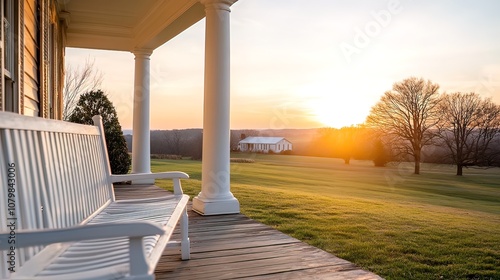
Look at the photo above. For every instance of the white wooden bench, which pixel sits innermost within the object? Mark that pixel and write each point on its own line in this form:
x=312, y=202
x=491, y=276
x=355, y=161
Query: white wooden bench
x=58, y=215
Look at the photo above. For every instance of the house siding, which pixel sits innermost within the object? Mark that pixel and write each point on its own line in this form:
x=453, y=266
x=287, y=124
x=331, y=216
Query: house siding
x=31, y=58
x=283, y=145
x=40, y=56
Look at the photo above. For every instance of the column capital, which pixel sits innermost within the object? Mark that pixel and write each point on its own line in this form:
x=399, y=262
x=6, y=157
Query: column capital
x=142, y=52
x=218, y=4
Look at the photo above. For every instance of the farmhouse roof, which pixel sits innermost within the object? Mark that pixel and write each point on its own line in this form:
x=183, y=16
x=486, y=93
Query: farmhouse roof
x=262, y=140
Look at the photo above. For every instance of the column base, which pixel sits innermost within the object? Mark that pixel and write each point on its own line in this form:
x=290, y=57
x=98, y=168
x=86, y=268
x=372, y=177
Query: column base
x=216, y=207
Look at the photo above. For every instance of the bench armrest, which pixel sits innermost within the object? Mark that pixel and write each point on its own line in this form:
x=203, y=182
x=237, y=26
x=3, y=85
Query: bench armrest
x=142, y=176
x=78, y=233
x=174, y=175
x=135, y=231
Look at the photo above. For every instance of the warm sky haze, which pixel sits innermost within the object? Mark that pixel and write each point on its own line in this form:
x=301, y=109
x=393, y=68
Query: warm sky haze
x=305, y=64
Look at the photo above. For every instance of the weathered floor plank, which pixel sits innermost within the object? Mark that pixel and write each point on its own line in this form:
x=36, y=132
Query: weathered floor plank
x=236, y=247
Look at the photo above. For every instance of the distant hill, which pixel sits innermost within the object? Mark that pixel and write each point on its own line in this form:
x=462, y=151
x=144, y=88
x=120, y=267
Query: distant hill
x=300, y=138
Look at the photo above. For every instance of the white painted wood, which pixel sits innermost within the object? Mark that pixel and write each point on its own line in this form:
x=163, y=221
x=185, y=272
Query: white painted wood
x=215, y=196
x=177, y=186
x=68, y=224
x=141, y=160
x=159, y=175
x=82, y=232
x=103, y=149
x=16, y=121
x=169, y=227
x=137, y=24
x=138, y=262
x=185, y=243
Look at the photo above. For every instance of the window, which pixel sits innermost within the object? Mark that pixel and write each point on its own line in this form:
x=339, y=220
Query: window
x=10, y=27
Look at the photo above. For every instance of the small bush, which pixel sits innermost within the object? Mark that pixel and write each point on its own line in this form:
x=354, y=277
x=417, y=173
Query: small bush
x=166, y=156
x=97, y=103
x=242, y=160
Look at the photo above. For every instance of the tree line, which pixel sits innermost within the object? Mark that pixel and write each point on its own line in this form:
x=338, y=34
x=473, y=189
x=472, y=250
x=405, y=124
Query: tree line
x=413, y=121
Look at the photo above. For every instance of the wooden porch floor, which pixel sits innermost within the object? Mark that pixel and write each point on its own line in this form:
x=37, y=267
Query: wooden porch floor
x=236, y=247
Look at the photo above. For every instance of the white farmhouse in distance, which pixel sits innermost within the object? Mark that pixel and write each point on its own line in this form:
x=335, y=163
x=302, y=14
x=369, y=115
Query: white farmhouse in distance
x=264, y=144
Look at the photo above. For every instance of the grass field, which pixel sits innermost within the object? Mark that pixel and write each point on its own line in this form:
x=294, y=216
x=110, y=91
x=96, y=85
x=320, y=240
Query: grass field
x=396, y=224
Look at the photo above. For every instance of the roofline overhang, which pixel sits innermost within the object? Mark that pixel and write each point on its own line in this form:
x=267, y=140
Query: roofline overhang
x=162, y=23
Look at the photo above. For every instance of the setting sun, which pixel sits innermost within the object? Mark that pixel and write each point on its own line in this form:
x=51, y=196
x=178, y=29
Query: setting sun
x=330, y=116
x=337, y=113
x=337, y=105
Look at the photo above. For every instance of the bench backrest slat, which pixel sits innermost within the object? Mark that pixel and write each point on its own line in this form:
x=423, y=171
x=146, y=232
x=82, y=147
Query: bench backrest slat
x=60, y=174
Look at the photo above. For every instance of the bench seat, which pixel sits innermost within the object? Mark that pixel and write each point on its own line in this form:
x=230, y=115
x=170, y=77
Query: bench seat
x=65, y=221
x=108, y=258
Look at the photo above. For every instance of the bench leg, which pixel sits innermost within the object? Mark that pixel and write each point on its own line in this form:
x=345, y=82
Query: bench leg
x=185, y=244
x=138, y=264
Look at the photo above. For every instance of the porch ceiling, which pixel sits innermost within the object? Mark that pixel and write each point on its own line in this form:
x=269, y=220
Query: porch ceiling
x=127, y=25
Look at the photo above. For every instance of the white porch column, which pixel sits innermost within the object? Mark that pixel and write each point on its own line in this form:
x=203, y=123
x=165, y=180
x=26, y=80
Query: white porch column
x=141, y=161
x=215, y=196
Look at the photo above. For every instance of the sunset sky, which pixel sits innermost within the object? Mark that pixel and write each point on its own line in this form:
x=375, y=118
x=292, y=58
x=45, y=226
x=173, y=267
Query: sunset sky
x=305, y=64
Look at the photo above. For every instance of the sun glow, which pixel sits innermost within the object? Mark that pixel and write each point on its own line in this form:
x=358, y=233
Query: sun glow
x=332, y=109
x=336, y=113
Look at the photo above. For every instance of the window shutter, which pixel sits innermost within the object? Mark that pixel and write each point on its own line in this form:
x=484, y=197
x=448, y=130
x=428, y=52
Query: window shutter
x=20, y=48
x=44, y=59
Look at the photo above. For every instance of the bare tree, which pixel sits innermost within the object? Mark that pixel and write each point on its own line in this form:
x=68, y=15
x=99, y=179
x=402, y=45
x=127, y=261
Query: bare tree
x=235, y=139
x=408, y=114
x=175, y=141
x=468, y=126
x=79, y=80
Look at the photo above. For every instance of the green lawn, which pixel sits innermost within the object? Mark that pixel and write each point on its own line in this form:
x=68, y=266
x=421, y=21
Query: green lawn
x=386, y=220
